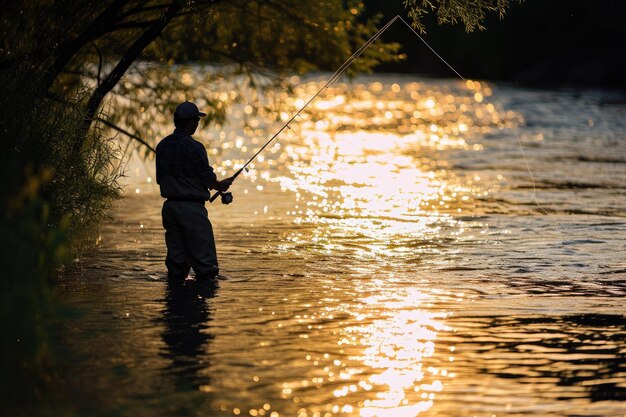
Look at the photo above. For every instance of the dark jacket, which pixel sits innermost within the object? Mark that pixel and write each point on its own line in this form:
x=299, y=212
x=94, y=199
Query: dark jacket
x=182, y=168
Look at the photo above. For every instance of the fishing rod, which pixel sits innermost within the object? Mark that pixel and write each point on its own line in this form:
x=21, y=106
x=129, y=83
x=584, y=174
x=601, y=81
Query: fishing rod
x=227, y=197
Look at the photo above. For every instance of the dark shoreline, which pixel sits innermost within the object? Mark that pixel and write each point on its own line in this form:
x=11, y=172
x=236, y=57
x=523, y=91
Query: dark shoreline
x=561, y=43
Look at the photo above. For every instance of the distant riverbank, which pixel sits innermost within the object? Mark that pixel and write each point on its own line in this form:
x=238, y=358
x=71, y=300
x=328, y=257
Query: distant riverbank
x=537, y=43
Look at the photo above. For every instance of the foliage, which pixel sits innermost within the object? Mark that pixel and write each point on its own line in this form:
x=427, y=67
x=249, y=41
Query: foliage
x=47, y=196
x=471, y=13
x=39, y=137
x=31, y=252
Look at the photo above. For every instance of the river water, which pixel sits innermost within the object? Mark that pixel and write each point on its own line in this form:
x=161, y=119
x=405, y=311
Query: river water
x=390, y=255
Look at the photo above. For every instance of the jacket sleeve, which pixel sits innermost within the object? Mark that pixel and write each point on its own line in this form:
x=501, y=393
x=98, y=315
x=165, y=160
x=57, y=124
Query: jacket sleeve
x=203, y=169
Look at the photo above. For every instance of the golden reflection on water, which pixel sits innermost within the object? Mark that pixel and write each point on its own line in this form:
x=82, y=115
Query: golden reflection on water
x=363, y=173
x=387, y=361
x=363, y=167
x=363, y=164
x=366, y=158
x=396, y=348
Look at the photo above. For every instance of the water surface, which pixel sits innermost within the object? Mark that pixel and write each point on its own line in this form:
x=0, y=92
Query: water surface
x=390, y=255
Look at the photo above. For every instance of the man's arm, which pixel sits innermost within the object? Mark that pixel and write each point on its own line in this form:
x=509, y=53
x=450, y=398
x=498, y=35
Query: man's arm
x=206, y=173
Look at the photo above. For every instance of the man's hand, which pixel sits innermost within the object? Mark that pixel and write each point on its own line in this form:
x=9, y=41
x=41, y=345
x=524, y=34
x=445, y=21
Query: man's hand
x=224, y=184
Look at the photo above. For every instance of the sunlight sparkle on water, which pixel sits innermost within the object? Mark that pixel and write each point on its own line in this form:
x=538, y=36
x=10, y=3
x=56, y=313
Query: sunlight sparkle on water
x=366, y=168
x=364, y=160
x=353, y=175
x=397, y=342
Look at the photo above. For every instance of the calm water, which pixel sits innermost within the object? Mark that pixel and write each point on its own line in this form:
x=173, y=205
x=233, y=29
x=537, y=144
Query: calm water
x=386, y=257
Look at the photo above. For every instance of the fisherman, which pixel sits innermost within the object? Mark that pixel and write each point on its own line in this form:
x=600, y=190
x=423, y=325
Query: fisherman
x=185, y=178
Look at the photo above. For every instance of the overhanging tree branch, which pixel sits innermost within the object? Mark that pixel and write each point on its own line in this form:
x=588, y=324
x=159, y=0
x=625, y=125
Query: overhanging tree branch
x=122, y=66
x=133, y=25
x=125, y=132
x=71, y=47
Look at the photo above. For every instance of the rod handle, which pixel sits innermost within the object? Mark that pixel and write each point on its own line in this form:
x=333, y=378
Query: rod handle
x=217, y=194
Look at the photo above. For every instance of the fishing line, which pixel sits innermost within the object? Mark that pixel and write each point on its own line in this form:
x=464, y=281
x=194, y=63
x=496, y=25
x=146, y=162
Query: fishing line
x=335, y=76
x=519, y=141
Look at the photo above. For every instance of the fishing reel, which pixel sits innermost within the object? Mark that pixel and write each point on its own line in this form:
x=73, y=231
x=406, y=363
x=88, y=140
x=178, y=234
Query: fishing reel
x=227, y=198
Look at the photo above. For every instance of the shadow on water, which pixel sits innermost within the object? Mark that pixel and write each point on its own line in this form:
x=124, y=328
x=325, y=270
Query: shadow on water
x=186, y=323
x=582, y=354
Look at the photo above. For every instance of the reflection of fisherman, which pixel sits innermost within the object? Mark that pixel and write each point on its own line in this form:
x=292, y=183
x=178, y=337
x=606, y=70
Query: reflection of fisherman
x=185, y=177
x=186, y=334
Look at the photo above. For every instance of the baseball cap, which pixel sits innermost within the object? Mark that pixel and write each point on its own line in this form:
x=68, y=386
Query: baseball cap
x=188, y=110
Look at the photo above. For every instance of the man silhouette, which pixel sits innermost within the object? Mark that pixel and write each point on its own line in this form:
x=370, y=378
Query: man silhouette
x=185, y=178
